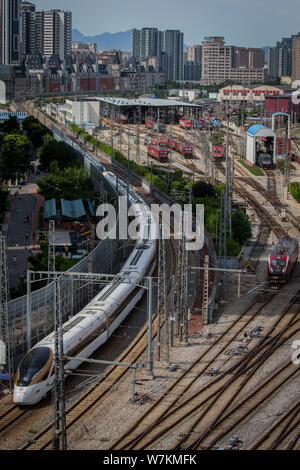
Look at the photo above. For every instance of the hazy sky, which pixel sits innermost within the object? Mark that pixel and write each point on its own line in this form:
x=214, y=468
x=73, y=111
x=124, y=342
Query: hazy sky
x=255, y=23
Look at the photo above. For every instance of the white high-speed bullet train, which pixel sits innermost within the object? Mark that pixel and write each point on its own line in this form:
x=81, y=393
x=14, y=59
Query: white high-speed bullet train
x=93, y=325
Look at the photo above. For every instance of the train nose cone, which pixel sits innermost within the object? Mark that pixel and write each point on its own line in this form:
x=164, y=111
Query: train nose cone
x=19, y=395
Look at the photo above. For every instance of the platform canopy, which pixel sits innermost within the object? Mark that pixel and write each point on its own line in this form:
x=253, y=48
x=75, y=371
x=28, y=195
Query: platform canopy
x=148, y=102
x=72, y=209
x=6, y=115
x=50, y=208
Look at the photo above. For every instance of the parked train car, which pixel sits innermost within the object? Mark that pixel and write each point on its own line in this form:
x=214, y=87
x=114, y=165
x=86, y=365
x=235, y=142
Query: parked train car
x=158, y=142
x=185, y=123
x=154, y=125
x=282, y=260
x=166, y=139
x=197, y=124
x=218, y=153
x=159, y=153
x=95, y=323
x=265, y=160
x=185, y=149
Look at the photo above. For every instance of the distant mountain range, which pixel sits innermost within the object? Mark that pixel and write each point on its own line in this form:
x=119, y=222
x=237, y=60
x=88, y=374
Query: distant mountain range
x=105, y=41
x=121, y=40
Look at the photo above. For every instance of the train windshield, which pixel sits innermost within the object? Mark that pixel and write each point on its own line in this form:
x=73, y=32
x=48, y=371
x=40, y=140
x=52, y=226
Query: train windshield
x=278, y=262
x=32, y=364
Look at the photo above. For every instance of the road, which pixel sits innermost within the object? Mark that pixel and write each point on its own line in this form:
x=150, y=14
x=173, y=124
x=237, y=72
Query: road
x=21, y=233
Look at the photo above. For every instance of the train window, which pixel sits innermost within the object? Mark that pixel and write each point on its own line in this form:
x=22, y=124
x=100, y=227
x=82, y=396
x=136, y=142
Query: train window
x=32, y=364
x=278, y=262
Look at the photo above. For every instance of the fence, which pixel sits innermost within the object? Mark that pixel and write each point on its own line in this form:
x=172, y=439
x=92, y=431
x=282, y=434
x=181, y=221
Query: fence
x=105, y=258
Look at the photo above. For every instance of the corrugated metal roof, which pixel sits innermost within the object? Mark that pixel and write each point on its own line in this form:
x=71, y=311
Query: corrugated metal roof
x=92, y=209
x=155, y=102
x=253, y=130
x=50, y=208
x=72, y=209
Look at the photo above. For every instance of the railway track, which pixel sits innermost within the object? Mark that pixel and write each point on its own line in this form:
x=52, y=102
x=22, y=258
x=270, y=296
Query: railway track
x=233, y=403
x=284, y=434
x=44, y=441
x=97, y=393
x=179, y=398
x=258, y=247
x=133, y=354
x=177, y=408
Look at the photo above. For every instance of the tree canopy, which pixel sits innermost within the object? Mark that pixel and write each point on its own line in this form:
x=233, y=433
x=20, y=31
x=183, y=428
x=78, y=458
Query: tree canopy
x=57, y=151
x=14, y=157
x=203, y=189
x=69, y=183
x=35, y=130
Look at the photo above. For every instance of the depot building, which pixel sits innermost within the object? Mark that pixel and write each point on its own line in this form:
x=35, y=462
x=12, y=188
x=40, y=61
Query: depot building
x=251, y=94
x=133, y=111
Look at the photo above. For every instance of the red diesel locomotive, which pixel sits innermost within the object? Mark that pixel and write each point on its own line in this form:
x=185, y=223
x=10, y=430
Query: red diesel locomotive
x=185, y=123
x=185, y=149
x=282, y=260
x=218, y=153
x=159, y=153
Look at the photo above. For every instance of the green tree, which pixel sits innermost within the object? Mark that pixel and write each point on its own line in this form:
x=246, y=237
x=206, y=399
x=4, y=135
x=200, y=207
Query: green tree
x=11, y=126
x=203, y=189
x=58, y=151
x=15, y=156
x=69, y=183
x=241, y=227
x=35, y=130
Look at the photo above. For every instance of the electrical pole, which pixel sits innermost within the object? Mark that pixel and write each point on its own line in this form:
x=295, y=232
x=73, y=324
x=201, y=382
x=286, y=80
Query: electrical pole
x=5, y=330
x=227, y=231
x=60, y=437
x=205, y=291
x=162, y=296
x=51, y=249
x=182, y=290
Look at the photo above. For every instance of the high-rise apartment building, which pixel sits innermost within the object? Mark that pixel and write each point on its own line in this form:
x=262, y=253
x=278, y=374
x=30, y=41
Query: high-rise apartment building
x=57, y=33
x=194, y=53
x=145, y=43
x=45, y=32
x=280, y=58
x=296, y=58
x=241, y=57
x=256, y=58
x=217, y=59
x=10, y=26
x=28, y=16
x=172, y=48
x=221, y=62
x=167, y=46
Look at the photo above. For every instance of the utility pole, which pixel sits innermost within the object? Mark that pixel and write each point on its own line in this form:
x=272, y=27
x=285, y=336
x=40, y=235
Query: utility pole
x=205, y=291
x=162, y=296
x=5, y=330
x=51, y=249
x=60, y=437
x=91, y=247
x=182, y=291
x=226, y=226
